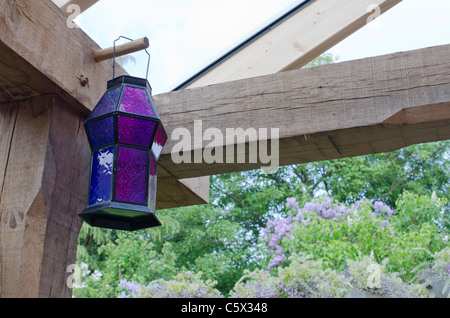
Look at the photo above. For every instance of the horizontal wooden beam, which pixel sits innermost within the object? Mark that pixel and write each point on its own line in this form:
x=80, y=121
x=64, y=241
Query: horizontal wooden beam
x=42, y=55
x=82, y=4
x=360, y=107
x=296, y=40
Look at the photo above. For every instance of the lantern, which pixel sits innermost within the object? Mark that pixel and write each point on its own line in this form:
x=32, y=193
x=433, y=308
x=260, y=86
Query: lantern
x=126, y=138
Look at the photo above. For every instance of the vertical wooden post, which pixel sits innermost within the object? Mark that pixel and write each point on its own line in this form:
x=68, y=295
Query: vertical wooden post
x=44, y=169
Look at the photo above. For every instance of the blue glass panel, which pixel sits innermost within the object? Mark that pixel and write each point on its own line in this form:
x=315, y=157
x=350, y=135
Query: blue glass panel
x=101, y=178
x=107, y=103
x=101, y=132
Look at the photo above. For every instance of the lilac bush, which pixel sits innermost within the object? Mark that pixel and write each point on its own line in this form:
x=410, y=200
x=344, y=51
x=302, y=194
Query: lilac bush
x=307, y=278
x=280, y=230
x=321, y=250
x=129, y=289
x=256, y=284
x=183, y=285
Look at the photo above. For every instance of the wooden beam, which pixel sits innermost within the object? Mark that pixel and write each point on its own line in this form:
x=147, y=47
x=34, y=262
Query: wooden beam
x=82, y=4
x=295, y=41
x=38, y=37
x=41, y=55
x=44, y=170
x=124, y=49
x=360, y=107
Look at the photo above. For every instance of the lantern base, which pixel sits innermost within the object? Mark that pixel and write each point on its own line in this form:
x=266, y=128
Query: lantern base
x=120, y=216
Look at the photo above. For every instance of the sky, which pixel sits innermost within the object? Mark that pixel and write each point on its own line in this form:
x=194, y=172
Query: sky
x=187, y=35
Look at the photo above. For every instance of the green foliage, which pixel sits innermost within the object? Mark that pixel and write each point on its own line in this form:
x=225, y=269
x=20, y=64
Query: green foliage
x=442, y=260
x=414, y=210
x=183, y=285
x=362, y=232
x=370, y=276
x=324, y=59
x=256, y=284
x=306, y=277
x=134, y=258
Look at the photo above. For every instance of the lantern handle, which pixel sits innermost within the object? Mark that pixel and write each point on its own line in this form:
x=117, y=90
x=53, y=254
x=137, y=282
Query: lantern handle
x=137, y=45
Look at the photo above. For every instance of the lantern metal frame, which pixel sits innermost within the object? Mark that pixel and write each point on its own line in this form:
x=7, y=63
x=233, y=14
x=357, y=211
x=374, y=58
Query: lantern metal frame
x=114, y=213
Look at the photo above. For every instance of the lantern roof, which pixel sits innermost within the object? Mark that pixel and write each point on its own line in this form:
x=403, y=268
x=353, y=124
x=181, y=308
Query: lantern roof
x=126, y=94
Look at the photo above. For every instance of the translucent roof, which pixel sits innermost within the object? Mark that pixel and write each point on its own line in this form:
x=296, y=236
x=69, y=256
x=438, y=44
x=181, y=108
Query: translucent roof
x=186, y=36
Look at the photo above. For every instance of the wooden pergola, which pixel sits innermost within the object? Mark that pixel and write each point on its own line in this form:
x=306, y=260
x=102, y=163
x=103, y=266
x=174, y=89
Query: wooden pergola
x=347, y=109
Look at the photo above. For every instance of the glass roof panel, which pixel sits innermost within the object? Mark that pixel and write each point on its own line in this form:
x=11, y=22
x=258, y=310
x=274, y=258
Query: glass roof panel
x=185, y=36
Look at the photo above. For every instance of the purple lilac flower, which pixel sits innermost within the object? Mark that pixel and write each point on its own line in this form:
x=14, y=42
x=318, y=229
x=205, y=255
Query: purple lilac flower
x=379, y=207
x=123, y=295
x=276, y=261
x=292, y=203
x=131, y=287
x=305, y=222
x=384, y=224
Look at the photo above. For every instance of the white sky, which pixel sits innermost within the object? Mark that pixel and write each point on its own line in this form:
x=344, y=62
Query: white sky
x=187, y=35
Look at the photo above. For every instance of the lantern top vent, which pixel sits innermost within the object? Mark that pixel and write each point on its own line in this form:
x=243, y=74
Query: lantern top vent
x=127, y=79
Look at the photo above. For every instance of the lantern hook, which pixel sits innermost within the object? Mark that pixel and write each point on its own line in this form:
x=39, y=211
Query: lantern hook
x=114, y=56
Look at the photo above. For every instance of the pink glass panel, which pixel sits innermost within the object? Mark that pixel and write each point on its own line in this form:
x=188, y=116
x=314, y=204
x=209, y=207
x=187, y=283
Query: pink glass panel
x=131, y=182
x=152, y=184
x=136, y=101
x=136, y=131
x=159, y=142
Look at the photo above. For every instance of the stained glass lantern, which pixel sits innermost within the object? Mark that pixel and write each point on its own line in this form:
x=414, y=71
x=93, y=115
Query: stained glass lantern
x=126, y=138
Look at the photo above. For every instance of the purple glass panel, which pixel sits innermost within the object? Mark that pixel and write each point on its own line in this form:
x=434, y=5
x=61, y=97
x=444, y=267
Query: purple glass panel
x=136, y=101
x=136, y=131
x=101, y=178
x=152, y=184
x=107, y=103
x=159, y=142
x=101, y=132
x=131, y=179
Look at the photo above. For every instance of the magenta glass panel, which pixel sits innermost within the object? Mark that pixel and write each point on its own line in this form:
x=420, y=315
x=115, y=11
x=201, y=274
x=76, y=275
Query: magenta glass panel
x=101, y=132
x=152, y=184
x=136, y=131
x=107, y=103
x=159, y=142
x=136, y=101
x=131, y=178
